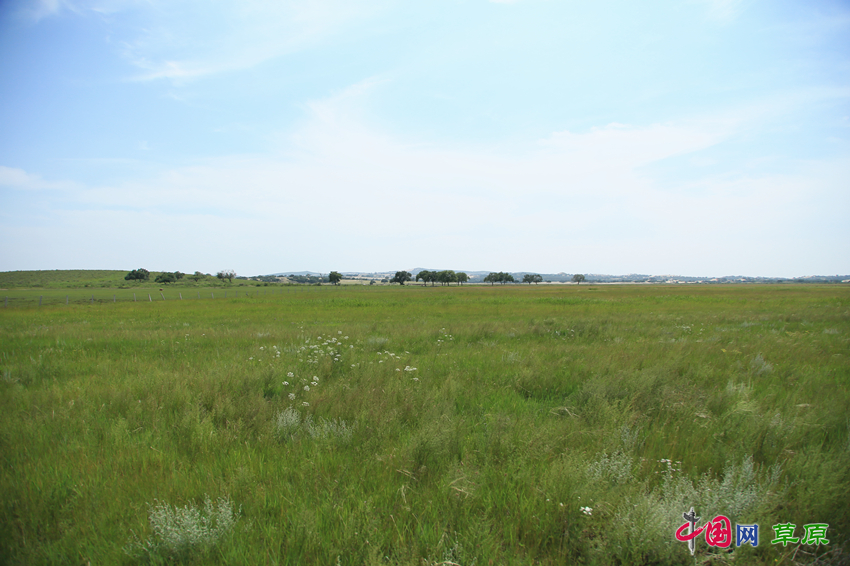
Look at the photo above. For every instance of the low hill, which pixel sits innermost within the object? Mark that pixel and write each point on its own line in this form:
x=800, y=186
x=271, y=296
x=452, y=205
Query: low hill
x=60, y=278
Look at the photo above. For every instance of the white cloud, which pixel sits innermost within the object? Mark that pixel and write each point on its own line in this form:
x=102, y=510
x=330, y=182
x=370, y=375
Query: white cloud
x=344, y=196
x=339, y=193
x=338, y=171
x=19, y=179
x=186, y=40
x=41, y=9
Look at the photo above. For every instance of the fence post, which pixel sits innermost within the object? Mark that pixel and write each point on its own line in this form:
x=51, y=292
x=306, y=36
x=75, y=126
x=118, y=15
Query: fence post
x=149, y=297
x=92, y=299
x=113, y=297
x=163, y=296
x=181, y=296
x=39, y=300
x=199, y=294
x=66, y=300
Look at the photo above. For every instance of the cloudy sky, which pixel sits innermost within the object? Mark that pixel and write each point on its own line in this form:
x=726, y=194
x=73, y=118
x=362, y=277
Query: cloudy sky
x=693, y=137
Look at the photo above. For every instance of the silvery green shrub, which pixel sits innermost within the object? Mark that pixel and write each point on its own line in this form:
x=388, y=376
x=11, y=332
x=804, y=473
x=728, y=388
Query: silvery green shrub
x=180, y=529
x=289, y=424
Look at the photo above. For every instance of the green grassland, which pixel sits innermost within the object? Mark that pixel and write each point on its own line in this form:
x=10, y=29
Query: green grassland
x=410, y=425
x=60, y=287
x=93, y=279
x=67, y=278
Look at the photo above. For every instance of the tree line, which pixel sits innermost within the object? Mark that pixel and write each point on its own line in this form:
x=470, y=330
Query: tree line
x=143, y=274
x=448, y=276
x=445, y=277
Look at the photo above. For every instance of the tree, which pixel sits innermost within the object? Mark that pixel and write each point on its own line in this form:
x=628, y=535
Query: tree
x=532, y=278
x=166, y=278
x=228, y=274
x=503, y=277
x=447, y=276
x=491, y=278
x=335, y=277
x=424, y=275
x=578, y=278
x=462, y=277
x=197, y=276
x=400, y=277
x=140, y=274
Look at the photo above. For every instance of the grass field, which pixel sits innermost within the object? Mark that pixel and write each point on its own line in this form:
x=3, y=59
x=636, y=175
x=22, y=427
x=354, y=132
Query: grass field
x=98, y=282
x=62, y=278
x=409, y=425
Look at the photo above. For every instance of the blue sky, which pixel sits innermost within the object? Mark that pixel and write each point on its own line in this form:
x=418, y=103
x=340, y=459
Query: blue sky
x=694, y=137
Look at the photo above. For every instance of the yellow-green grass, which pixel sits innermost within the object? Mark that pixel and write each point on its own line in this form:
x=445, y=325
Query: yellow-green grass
x=146, y=292
x=526, y=404
x=99, y=282
x=61, y=278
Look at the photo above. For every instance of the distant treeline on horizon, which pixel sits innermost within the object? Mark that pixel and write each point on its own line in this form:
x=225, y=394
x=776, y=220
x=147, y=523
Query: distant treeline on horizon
x=119, y=278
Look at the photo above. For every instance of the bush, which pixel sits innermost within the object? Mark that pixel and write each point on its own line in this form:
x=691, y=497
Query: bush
x=177, y=530
x=289, y=425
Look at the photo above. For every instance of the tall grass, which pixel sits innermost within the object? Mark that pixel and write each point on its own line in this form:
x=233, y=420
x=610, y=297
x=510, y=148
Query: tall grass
x=424, y=425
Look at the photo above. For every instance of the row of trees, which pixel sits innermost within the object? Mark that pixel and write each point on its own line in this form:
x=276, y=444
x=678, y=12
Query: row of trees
x=448, y=276
x=142, y=274
x=500, y=277
x=444, y=277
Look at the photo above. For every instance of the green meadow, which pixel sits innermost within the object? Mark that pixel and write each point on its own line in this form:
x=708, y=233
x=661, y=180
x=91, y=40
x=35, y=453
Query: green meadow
x=408, y=425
